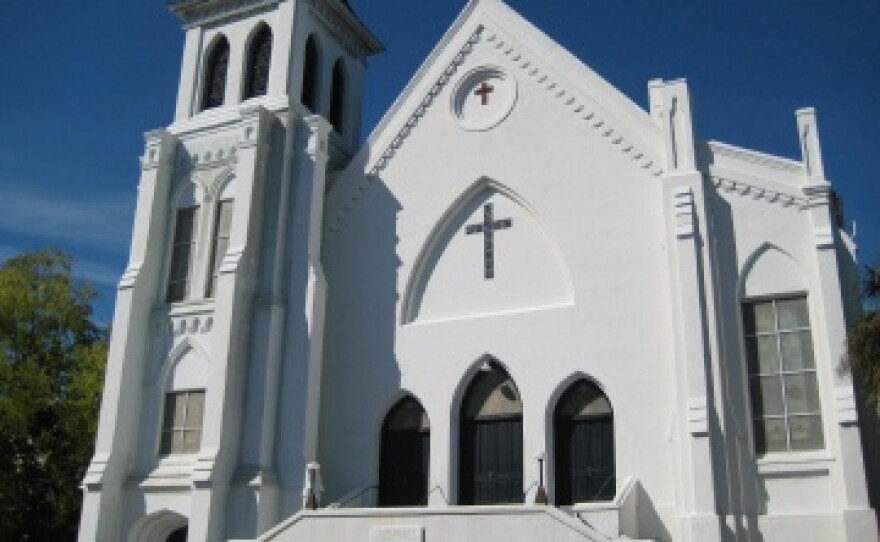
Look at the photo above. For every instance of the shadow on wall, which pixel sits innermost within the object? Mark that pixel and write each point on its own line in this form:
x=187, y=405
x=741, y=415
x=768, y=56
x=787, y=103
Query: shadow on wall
x=649, y=521
x=869, y=423
x=744, y=498
x=361, y=377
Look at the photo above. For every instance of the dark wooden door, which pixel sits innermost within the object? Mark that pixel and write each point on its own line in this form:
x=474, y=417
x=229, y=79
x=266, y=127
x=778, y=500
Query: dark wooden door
x=492, y=462
x=403, y=470
x=585, y=460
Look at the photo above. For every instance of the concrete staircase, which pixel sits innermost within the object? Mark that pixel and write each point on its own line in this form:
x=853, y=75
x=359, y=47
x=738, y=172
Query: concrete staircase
x=453, y=524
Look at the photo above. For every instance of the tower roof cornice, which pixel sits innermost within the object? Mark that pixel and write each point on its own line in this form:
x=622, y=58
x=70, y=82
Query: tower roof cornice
x=194, y=12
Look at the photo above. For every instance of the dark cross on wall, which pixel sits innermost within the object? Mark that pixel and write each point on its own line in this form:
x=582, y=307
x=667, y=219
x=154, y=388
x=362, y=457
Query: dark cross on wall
x=483, y=92
x=487, y=228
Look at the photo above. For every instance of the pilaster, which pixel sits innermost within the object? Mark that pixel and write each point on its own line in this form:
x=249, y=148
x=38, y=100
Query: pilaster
x=137, y=290
x=306, y=287
x=850, y=495
x=684, y=203
x=310, y=192
x=189, y=74
x=234, y=296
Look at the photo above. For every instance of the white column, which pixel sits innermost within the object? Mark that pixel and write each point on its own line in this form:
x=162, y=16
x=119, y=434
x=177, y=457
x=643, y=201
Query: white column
x=684, y=201
x=850, y=493
x=137, y=292
x=236, y=279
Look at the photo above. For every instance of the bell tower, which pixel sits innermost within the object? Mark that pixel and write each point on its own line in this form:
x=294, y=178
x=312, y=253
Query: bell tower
x=209, y=417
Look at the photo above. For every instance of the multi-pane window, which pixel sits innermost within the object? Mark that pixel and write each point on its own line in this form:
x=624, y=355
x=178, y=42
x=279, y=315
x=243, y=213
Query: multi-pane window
x=782, y=376
x=179, y=276
x=222, y=227
x=182, y=423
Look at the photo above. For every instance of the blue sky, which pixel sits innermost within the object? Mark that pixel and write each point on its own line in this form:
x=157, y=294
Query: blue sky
x=81, y=82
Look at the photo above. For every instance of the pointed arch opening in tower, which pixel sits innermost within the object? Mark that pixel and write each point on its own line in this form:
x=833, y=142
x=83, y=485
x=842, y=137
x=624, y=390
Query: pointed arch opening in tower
x=404, y=457
x=311, y=79
x=216, y=68
x=583, y=427
x=259, y=60
x=336, y=115
x=491, y=439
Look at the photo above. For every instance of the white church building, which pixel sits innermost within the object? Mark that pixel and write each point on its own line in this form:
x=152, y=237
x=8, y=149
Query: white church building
x=523, y=309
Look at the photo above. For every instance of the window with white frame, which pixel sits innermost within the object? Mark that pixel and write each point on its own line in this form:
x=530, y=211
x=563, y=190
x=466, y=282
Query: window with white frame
x=182, y=422
x=783, y=384
x=222, y=227
x=182, y=252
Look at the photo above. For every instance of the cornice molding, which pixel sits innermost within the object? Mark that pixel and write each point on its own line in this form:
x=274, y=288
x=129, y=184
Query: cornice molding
x=754, y=157
x=335, y=218
x=200, y=12
x=339, y=21
x=578, y=106
x=745, y=189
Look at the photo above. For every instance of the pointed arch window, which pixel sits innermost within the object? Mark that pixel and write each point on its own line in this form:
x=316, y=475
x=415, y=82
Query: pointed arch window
x=583, y=425
x=491, y=442
x=311, y=66
x=259, y=62
x=403, y=464
x=336, y=115
x=216, y=67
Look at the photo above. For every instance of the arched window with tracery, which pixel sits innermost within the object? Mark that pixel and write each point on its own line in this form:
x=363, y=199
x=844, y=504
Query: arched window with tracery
x=259, y=60
x=310, y=81
x=216, y=67
x=336, y=115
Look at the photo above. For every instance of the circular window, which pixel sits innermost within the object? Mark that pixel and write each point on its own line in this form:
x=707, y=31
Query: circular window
x=483, y=98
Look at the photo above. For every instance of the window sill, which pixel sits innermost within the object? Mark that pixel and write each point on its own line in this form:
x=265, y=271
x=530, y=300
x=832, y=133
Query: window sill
x=190, y=306
x=172, y=471
x=812, y=462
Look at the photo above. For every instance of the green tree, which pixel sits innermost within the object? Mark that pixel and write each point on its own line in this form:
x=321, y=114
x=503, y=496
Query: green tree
x=863, y=343
x=52, y=359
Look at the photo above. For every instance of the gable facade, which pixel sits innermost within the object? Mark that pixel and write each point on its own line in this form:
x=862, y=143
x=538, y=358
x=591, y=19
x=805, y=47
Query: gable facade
x=523, y=303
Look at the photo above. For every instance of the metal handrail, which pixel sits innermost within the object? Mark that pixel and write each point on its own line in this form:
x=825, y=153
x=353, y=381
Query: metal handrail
x=351, y=497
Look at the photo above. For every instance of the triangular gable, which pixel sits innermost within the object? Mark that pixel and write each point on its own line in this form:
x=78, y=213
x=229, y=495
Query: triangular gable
x=588, y=97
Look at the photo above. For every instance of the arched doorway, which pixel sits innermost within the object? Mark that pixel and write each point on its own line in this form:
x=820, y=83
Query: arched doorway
x=403, y=463
x=163, y=526
x=490, y=453
x=584, y=445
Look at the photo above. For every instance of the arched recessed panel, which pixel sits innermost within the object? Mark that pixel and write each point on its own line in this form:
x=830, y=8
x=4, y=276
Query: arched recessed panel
x=491, y=441
x=583, y=427
x=404, y=457
x=489, y=253
x=188, y=369
x=770, y=271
